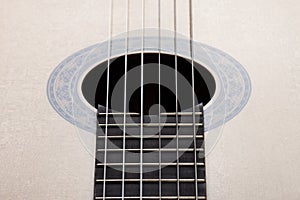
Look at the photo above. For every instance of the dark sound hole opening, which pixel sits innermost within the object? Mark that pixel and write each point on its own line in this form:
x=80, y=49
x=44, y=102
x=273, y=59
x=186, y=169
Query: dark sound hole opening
x=94, y=86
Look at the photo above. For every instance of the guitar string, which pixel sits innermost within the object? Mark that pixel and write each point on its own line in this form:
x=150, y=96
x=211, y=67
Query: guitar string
x=107, y=93
x=142, y=63
x=193, y=91
x=125, y=97
x=159, y=95
x=142, y=100
x=176, y=95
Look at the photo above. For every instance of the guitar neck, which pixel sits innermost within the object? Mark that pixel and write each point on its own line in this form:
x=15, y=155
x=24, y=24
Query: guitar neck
x=154, y=157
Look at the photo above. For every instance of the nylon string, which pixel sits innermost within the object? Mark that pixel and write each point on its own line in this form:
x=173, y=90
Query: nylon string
x=107, y=94
x=125, y=98
x=193, y=92
x=159, y=91
x=142, y=101
x=176, y=95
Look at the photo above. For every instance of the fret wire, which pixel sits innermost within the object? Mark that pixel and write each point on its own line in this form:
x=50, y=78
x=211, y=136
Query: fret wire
x=153, y=180
x=153, y=197
x=182, y=113
x=166, y=113
x=120, y=113
x=107, y=93
x=193, y=91
x=155, y=149
x=154, y=164
x=125, y=98
x=176, y=94
x=152, y=136
x=153, y=124
x=159, y=91
x=142, y=99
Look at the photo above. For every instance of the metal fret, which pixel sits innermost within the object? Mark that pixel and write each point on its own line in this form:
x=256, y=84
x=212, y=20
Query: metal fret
x=153, y=124
x=118, y=113
x=153, y=164
x=152, y=136
x=164, y=113
x=151, y=180
x=147, y=150
x=182, y=113
x=153, y=197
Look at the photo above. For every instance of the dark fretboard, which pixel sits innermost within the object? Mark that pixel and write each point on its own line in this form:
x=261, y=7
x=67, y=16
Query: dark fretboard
x=134, y=166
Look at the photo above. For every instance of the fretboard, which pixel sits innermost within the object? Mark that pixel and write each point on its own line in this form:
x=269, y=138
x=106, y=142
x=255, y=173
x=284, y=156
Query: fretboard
x=166, y=161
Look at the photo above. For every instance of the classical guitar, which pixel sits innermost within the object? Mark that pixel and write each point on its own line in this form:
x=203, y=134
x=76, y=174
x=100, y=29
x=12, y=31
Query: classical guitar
x=148, y=96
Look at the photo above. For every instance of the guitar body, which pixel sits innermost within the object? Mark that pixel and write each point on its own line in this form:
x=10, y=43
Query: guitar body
x=48, y=151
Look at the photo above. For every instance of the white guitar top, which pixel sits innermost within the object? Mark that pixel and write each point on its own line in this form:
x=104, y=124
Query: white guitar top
x=256, y=156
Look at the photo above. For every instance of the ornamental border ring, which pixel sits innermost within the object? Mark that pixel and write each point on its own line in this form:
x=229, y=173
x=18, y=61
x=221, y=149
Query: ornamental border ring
x=233, y=85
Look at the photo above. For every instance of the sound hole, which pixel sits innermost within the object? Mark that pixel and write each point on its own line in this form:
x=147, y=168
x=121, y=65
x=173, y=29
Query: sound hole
x=94, y=86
